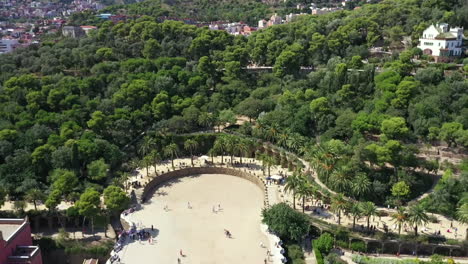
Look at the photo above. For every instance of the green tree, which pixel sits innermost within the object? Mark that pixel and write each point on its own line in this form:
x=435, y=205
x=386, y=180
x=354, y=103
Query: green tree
x=400, y=190
x=3, y=194
x=88, y=205
x=394, y=127
x=115, y=199
x=448, y=132
x=191, y=145
x=286, y=63
x=35, y=195
x=98, y=169
x=286, y=222
x=63, y=182
x=151, y=49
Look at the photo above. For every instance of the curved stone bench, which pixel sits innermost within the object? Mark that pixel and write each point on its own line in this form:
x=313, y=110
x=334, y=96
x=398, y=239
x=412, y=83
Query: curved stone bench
x=161, y=179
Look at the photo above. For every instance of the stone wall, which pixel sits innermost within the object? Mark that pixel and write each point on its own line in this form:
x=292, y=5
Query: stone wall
x=158, y=180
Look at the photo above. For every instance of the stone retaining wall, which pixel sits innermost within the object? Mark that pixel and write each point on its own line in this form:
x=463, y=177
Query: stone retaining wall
x=158, y=180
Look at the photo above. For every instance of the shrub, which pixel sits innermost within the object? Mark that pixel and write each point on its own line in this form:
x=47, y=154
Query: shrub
x=342, y=244
x=333, y=258
x=318, y=254
x=324, y=243
x=295, y=254
x=358, y=246
x=361, y=259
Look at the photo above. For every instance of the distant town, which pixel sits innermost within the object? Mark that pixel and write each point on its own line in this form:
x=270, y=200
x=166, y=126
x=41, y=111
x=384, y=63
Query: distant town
x=51, y=18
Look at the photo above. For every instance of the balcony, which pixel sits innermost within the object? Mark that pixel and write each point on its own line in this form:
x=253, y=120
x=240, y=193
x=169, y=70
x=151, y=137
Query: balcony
x=24, y=254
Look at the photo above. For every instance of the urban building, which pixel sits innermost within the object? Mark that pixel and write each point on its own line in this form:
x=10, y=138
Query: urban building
x=442, y=42
x=16, y=243
x=72, y=32
x=8, y=45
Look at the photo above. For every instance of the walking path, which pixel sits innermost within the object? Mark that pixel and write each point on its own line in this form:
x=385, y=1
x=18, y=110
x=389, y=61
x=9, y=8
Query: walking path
x=348, y=257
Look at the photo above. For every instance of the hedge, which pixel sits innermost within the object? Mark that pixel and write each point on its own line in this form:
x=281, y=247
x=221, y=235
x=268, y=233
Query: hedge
x=318, y=254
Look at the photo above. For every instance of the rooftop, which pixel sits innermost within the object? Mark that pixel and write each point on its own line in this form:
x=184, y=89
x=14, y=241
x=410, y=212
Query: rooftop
x=8, y=227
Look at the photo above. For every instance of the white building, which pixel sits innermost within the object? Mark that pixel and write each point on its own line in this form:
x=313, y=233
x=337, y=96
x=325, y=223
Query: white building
x=441, y=41
x=8, y=45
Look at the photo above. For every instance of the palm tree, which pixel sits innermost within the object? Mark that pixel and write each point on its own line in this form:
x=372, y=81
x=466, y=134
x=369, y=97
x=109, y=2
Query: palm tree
x=242, y=148
x=322, y=161
x=146, y=146
x=360, y=185
x=123, y=179
x=269, y=161
x=171, y=150
x=417, y=216
x=368, y=210
x=462, y=214
x=212, y=153
x=205, y=120
x=292, y=184
x=295, y=142
x=338, y=205
x=156, y=158
x=272, y=132
x=230, y=143
x=283, y=139
x=146, y=162
x=339, y=179
x=356, y=212
x=220, y=147
x=400, y=217
x=305, y=190
x=191, y=145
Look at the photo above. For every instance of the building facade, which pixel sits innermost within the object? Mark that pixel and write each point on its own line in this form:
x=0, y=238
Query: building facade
x=442, y=42
x=8, y=45
x=16, y=243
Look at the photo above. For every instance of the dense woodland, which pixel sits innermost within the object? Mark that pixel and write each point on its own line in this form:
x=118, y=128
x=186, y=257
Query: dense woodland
x=74, y=110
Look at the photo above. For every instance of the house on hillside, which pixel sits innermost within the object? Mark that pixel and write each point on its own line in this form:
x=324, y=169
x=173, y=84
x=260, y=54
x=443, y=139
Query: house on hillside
x=72, y=32
x=442, y=42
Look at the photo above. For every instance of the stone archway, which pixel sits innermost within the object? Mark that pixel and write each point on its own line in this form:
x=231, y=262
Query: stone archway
x=408, y=248
x=390, y=247
x=374, y=246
